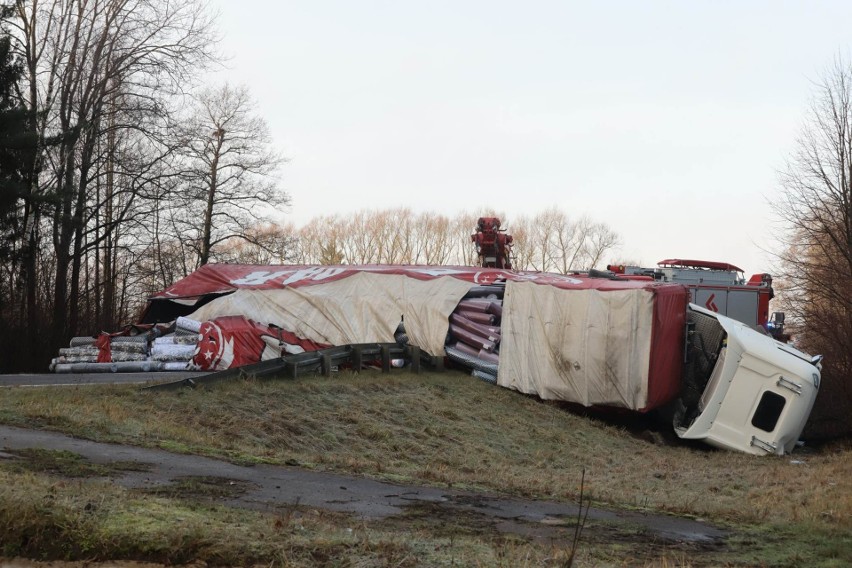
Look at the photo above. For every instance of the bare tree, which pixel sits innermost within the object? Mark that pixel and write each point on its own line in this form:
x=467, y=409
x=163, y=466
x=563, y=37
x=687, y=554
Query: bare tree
x=268, y=244
x=87, y=63
x=325, y=240
x=433, y=233
x=228, y=183
x=359, y=242
x=567, y=239
x=380, y=224
x=523, y=247
x=816, y=212
x=541, y=234
x=600, y=239
x=404, y=245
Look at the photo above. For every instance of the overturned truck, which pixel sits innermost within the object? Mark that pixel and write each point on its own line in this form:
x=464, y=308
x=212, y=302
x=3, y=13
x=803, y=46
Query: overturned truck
x=597, y=342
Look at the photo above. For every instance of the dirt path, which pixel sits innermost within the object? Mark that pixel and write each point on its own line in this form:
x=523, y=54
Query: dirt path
x=271, y=487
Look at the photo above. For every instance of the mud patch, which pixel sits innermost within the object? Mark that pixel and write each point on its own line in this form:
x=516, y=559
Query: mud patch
x=64, y=463
x=440, y=521
x=202, y=488
x=621, y=542
x=629, y=546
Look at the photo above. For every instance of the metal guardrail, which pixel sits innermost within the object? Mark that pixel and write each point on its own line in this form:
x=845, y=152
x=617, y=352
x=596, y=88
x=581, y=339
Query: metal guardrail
x=323, y=361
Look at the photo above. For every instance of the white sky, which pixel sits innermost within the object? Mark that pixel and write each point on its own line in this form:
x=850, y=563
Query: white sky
x=667, y=120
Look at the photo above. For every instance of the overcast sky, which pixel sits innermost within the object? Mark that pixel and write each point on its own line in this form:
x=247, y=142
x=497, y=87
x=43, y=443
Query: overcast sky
x=667, y=120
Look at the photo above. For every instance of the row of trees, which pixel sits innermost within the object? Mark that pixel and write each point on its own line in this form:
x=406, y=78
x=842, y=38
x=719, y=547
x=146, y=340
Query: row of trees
x=549, y=241
x=113, y=166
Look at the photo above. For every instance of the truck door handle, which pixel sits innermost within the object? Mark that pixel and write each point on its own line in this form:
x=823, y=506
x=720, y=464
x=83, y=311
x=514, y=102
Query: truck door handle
x=789, y=385
x=765, y=446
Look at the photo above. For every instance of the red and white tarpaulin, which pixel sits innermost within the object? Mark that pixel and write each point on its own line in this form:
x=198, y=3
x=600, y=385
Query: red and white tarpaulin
x=362, y=307
x=586, y=340
x=233, y=341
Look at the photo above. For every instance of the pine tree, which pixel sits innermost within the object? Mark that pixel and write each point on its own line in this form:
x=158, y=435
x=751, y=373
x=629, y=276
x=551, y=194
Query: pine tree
x=16, y=146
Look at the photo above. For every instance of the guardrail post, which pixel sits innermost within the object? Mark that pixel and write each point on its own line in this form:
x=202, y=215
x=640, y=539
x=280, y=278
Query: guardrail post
x=385, y=349
x=326, y=365
x=414, y=355
x=290, y=370
x=357, y=358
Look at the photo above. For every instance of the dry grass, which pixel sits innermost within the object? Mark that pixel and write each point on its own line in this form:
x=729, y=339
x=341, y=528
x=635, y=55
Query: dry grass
x=43, y=519
x=448, y=429
x=91, y=522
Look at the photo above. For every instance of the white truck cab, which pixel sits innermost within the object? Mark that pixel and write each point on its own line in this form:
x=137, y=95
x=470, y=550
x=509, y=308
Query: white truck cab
x=744, y=390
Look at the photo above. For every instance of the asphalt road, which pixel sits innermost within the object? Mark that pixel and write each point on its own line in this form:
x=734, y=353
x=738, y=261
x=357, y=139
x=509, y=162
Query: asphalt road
x=78, y=379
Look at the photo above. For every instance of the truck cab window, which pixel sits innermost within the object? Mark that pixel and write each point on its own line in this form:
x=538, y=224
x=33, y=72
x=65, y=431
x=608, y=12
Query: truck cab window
x=768, y=411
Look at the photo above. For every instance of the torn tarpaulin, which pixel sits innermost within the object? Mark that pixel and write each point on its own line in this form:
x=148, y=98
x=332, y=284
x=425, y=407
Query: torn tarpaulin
x=233, y=341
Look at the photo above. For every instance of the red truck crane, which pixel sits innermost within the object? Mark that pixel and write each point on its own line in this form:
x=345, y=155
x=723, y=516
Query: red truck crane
x=493, y=245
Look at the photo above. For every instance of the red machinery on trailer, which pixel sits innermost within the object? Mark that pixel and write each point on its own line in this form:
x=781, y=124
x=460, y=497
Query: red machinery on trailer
x=493, y=245
x=719, y=287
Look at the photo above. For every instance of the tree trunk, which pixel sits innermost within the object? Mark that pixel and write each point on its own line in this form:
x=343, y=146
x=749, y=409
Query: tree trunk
x=78, y=225
x=109, y=278
x=204, y=257
x=63, y=233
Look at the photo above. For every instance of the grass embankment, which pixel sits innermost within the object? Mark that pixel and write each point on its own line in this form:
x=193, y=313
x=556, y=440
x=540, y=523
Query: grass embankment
x=450, y=430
